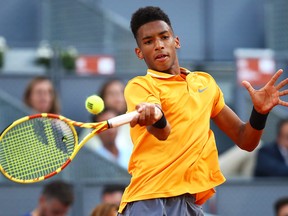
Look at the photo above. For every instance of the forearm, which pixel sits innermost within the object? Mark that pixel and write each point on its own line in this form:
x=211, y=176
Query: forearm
x=161, y=128
x=248, y=138
x=242, y=134
x=160, y=133
x=253, y=130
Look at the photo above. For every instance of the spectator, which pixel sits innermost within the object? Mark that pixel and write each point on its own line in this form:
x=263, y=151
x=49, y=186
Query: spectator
x=238, y=163
x=281, y=207
x=109, y=147
x=112, y=92
x=113, y=96
x=56, y=199
x=105, y=209
x=112, y=194
x=41, y=96
x=272, y=159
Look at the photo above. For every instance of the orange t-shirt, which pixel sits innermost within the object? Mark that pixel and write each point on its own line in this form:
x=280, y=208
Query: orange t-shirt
x=187, y=162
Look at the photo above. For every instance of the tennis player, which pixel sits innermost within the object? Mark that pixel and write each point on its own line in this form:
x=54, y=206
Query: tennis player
x=174, y=163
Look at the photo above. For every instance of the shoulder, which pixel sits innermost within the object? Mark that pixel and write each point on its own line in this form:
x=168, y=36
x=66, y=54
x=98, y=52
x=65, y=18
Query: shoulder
x=146, y=82
x=140, y=79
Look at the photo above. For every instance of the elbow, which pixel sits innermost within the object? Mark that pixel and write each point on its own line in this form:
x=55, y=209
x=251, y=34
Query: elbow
x=248, y=147
x=163, y=137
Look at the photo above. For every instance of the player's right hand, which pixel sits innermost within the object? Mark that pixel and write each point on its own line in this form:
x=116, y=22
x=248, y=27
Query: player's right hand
x=147, y=115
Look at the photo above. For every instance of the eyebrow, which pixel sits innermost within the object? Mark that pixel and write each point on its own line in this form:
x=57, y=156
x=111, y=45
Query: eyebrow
x=161, y=33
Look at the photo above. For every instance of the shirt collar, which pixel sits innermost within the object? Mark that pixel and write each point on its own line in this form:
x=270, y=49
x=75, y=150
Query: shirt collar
x=162, y=75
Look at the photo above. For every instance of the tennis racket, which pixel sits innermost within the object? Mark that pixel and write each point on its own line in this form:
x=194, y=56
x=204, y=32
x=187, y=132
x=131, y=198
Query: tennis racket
x=39, y=146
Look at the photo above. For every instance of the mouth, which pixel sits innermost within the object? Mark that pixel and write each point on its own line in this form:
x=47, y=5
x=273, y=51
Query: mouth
x=161, y=57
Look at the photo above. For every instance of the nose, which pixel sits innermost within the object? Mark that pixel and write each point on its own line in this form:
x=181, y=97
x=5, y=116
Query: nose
x=159, y=44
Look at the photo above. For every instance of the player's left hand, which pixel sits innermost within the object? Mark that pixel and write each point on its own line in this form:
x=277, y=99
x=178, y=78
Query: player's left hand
x=268, y=97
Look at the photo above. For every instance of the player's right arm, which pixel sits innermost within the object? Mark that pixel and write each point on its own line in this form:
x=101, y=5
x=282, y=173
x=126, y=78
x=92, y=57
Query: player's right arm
x=155, y=122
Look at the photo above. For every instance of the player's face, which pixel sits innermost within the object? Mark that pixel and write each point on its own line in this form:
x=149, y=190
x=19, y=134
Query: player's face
x=157, y=46
x=42, y=96
x=53, y=207
x=283, y=136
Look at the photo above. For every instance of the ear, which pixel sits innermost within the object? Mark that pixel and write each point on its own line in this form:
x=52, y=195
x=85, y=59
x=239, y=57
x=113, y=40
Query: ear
x=177, y=42
x=138, y=53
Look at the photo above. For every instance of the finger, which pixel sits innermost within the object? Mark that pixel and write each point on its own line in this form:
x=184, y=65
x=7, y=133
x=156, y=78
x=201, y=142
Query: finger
x=134, y=121
x=283, y=103
x=152, y=111
x=248, y=86
x=139, y=108
x=282, y=84
x=284, y=92
x=275, y=77
x=141, y=119
x=147, y=113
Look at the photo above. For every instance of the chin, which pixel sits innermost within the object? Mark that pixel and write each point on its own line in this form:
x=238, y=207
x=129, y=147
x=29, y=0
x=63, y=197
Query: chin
x=163, y=68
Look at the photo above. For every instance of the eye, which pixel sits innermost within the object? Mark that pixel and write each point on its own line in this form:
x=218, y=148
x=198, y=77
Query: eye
x=148, y=42
x=165, y=37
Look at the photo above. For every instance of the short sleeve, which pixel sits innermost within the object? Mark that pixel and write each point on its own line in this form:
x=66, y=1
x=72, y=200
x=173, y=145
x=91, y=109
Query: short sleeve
x=219, y=101
x=138, y=91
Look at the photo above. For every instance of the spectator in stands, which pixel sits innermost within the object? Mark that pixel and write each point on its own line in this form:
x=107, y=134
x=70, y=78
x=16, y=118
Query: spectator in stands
x=105, y=209
x=272, y=159
x=41, y=96
x=235, y=162
x=281, y=207
x=109, y=147
x=112, y=92
x=112, y=194
x=56, y=199
x=110, y=200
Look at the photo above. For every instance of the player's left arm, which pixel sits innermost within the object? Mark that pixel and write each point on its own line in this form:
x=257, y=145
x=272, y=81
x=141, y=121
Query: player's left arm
x=247, y=135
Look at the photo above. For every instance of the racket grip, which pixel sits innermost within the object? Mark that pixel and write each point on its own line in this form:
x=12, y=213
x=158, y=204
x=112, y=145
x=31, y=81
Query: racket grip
x=127, y=118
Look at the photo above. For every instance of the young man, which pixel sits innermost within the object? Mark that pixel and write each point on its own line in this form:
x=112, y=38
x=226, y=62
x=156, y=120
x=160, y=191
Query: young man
x=174, y=163
x=56, y=199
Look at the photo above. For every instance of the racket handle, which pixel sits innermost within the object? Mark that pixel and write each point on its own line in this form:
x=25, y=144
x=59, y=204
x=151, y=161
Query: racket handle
x=127, y=118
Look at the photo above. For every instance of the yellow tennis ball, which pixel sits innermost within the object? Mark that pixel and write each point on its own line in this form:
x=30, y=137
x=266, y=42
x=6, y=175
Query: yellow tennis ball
x=94, y=104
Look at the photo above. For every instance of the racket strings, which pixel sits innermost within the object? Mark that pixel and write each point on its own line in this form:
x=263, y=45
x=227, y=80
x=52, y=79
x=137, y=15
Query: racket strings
x=36, y=148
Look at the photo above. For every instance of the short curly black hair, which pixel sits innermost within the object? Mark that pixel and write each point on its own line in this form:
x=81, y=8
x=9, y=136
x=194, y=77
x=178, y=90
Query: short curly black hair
x=145, y=15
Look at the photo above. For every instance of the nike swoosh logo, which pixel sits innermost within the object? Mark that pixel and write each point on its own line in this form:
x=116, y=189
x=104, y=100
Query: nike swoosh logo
x=202, y=90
